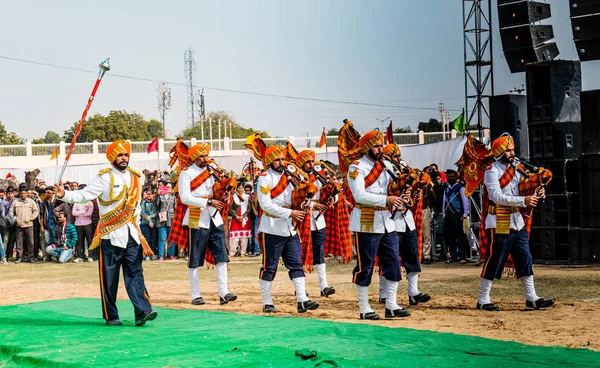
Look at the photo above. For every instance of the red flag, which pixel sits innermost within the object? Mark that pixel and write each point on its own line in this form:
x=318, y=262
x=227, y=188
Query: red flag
x=153, y=146
x=389, y=136
x=323, y=139
x=9, y=175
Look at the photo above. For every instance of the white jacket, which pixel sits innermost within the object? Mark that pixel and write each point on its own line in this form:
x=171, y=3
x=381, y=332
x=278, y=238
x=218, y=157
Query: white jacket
x=375, y=195
x=199, y=197
x=509, y=196
x=276, y=219
x=100, y=187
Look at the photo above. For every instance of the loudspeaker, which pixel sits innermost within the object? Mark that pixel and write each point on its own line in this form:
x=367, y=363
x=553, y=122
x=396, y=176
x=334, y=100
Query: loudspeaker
x=525, y=36
x=590, y=121
x=526, y=12
x=588, y=50
x=565, y=177
x=584, y=245
x=589, y=169
x=550, y=244
x=517, y=59
x=553, y=91
x=508, y=113
x=549, y=141
x=586, y=28
x=581, y=7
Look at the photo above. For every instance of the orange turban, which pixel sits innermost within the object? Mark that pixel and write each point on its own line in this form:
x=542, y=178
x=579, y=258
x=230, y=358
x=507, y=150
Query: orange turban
x=501, y=144
x=367, y=141
x=304, y=156
x=115, y=148
x=200, y=149
x=391, y=150
x=272, y=153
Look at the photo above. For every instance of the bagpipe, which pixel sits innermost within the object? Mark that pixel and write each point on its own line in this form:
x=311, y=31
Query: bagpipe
x=224, y=185
x=303, y=191
x=329, y=187
x=404, y=179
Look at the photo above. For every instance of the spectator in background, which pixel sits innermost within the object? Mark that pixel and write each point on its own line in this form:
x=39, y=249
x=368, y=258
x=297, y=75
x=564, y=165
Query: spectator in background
x=166, y=213
x=456, y=209
x=83, y=224
x=2, y=194
x=63, y=239
x=4, y=223
x=240, y=227
x=39, y=241
x=95, y=218
x=254, y=215
x=26, y=212
x=434, y=168
x=438, y=217
x=10, y=233
x=47, y=219
x=429, y=198
x=149, y=214
x=60, y=206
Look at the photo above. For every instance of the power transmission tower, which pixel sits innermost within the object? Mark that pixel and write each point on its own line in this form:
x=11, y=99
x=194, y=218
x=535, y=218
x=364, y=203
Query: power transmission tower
x=164, y=102
x=190, y=80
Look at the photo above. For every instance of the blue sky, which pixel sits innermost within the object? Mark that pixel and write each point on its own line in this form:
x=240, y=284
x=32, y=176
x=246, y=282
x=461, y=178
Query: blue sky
x=402, y=53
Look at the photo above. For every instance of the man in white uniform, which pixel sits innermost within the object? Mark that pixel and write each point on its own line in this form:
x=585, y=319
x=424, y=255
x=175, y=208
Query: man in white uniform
x=119, y=193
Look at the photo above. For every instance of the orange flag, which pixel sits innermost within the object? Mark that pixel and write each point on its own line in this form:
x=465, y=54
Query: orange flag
x=323, y=140
x=54, y=154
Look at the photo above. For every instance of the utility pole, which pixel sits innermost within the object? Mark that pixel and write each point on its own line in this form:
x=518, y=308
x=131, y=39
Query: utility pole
x=442, y=114
x=202, y=112
x=382, y=121
x=164, y=103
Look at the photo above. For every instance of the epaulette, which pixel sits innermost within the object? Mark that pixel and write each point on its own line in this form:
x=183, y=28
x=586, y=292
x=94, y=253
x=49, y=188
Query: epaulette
x=104, y=171
x=134, y=172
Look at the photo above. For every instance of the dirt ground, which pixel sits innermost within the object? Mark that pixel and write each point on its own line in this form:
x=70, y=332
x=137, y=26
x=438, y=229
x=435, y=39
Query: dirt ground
x=572, y=322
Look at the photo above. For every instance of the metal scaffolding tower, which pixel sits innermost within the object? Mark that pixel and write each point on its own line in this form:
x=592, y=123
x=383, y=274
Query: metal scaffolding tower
x=479, y=66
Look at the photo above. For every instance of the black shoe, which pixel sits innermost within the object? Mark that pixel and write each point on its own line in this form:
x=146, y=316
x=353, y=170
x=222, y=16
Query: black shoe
x=198, y=301
x=307, y=305
x=372, y=316
x=421, y=298
x=32, y=260
x=488, y=307
x=254, y=255
x=114, y=322
x=397, y=313
x=541, y=303
x=330, y=290
x=382, y=300
x=19, y=260
x=145, y=317
x=230, y=297
x=268, y=308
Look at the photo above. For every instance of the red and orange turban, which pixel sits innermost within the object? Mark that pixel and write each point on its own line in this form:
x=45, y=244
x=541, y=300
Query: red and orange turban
x=367, y=141
x=200, y=149
x=500, y=145
x=272, y=153
x=304, y=156
x=115, y=148
x=391, y=150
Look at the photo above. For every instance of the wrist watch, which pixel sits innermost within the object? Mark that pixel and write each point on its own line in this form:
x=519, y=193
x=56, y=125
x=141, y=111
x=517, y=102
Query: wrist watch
x=209, y=202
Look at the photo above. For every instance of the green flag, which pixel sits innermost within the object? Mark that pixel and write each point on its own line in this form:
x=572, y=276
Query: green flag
x=459, y=123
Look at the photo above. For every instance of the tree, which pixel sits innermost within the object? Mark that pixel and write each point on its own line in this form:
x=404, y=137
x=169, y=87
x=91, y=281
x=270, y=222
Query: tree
x=433, y=125
x=237, y=130
x=38, y=141
x=403, y=130
x=117, y=125
x=333, y=131
x=52, y=137
x=9, y=137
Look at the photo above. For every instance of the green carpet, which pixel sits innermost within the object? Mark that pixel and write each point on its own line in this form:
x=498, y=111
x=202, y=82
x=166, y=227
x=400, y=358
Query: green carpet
x=69, y=333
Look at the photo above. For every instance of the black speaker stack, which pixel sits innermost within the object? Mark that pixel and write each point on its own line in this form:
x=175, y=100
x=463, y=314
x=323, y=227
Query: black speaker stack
x=557, y=126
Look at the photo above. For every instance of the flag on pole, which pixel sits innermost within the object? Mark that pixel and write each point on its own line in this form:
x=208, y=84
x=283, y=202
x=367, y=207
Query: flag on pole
x=153, y=146
x=389, y=136
x=323, y=140
x=459, y=123
x=54, y=154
